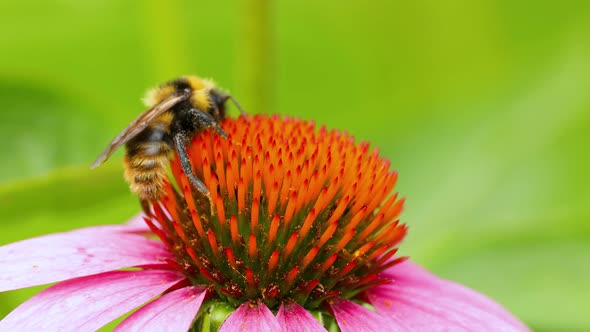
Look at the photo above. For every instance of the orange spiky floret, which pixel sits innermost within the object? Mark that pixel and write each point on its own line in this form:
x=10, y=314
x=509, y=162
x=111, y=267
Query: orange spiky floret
x=298, y=213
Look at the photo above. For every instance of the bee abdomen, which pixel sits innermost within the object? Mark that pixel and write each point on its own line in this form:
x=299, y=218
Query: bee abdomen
x=145, y=168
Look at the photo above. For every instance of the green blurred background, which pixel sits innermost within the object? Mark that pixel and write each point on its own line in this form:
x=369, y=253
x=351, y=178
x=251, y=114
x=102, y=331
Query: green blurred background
x=482, y=106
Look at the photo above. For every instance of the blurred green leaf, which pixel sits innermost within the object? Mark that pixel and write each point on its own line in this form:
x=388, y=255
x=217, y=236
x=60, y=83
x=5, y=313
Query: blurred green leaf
x=64, y=200
x=482, y=106
x=46, y=131
x=506, y=209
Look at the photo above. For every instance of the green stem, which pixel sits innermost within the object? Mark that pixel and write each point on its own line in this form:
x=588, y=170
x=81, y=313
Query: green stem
x=255, y=64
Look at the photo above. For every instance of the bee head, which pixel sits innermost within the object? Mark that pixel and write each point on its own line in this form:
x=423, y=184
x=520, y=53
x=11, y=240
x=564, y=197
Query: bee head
x=218, y=100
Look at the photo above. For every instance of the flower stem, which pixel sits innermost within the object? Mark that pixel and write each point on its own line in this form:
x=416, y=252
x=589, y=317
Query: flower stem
x=255, y=56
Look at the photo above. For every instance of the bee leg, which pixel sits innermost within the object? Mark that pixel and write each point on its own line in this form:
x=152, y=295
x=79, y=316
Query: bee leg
x=145, y=206
x=180, y=141
x=204, y=120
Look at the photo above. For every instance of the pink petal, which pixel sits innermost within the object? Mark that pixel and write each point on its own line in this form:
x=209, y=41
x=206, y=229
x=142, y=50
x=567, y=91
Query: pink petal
x=88, y=303
x=63, y=256
x=172, y=312
x=294, y=318
x=352, y=317
x=252, y=318
x=422, y=302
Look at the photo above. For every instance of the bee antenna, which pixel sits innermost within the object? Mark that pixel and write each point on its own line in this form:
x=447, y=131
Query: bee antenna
x=238, y=106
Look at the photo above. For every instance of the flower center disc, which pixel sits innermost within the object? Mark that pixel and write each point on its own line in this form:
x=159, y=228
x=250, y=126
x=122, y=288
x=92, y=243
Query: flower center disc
x=296, y=213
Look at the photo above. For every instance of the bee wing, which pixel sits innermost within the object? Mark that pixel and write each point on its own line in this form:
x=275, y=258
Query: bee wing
x=135, y=127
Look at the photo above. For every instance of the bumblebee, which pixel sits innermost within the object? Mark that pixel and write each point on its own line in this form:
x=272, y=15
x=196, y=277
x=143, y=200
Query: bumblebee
x=176, y=111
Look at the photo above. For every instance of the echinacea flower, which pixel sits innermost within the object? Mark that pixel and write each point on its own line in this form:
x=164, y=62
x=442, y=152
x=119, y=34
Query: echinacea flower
x=301, y=235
